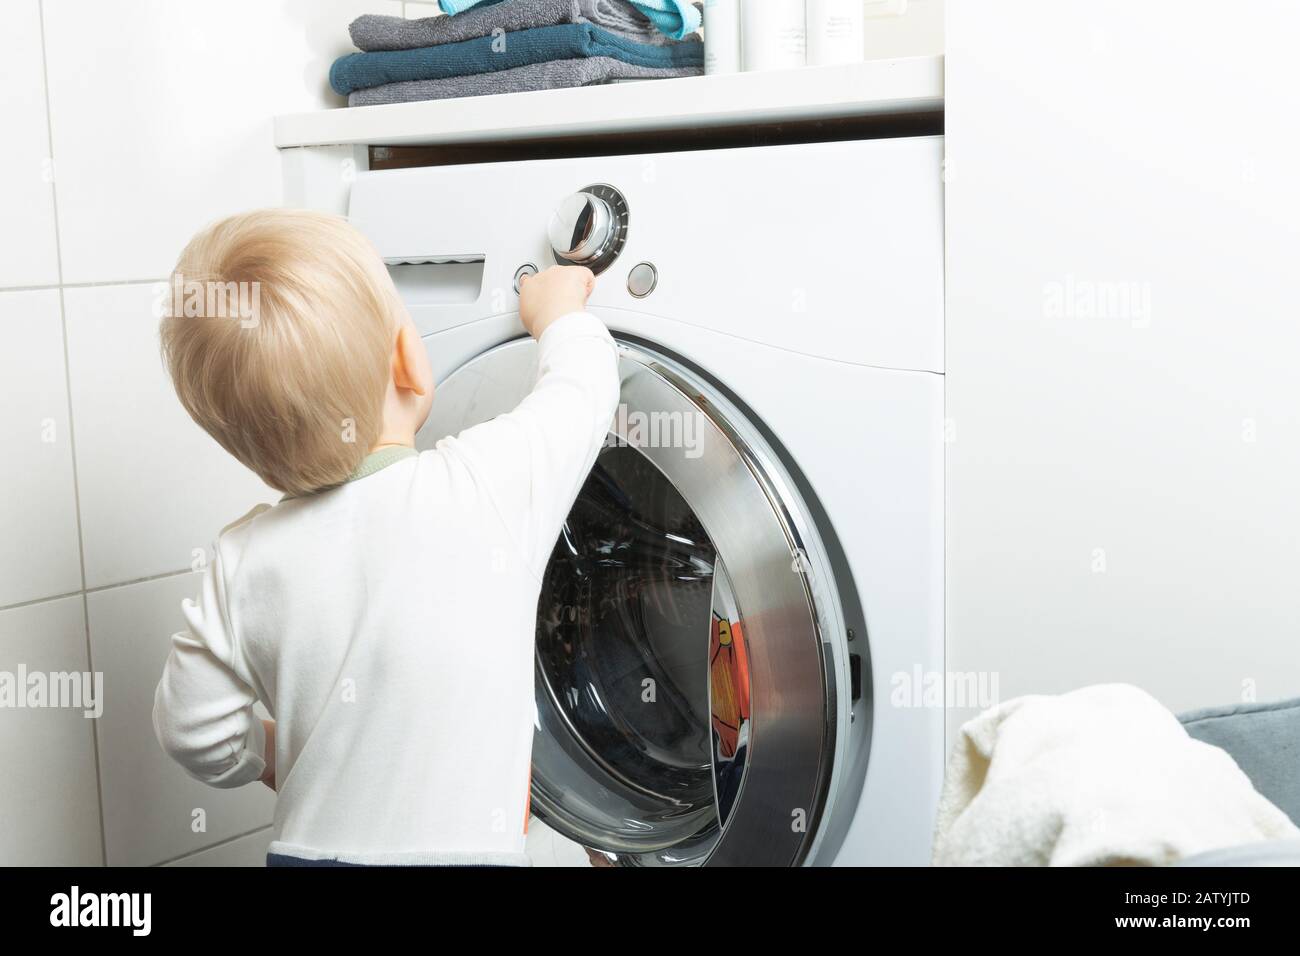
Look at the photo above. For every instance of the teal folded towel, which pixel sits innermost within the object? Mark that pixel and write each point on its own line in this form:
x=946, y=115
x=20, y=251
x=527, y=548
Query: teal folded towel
x=675, y=18
x=358, y=71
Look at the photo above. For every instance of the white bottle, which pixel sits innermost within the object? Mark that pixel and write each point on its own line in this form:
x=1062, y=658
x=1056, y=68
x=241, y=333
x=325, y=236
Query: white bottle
x=773, y=34
x=835, y=33
x=721, y=36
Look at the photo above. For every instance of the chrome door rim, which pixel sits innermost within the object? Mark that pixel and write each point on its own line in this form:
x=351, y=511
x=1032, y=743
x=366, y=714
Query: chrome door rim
x=742, y=496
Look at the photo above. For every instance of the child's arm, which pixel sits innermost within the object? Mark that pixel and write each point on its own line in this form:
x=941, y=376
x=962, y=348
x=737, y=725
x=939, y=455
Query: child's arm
x=534, y=459
x=203, y=709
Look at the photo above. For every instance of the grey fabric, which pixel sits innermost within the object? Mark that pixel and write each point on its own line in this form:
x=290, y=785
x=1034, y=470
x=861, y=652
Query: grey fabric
x=555, y=74
x=1272, y=853
x=372, y=32
x=1264, y=740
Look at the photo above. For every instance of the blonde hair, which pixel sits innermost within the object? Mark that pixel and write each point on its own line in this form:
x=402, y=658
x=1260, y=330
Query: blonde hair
x=279, y=339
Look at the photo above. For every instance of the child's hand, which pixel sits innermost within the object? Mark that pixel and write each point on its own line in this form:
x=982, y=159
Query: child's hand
x=547, y=296
x=268, y=775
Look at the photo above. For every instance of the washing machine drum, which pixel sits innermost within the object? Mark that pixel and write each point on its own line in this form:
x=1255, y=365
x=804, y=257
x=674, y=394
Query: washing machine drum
x=684, y=706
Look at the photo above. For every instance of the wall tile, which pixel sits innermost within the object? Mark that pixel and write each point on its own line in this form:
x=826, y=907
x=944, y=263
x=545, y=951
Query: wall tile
x=149, y=801
x=247, y=850
x=28, y=254
x=38, y=549
x=162, y=116
x=153, y=486
x=48, y=793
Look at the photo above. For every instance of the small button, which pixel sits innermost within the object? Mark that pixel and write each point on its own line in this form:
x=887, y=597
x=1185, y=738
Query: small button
x=642, y=279
x=527, y=269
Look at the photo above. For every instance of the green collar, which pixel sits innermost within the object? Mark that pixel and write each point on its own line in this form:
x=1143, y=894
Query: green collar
x=381, y=459
x=375, y=461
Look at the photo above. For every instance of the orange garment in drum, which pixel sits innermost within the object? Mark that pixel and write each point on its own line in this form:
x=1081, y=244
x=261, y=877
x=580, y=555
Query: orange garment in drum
x=729, y=682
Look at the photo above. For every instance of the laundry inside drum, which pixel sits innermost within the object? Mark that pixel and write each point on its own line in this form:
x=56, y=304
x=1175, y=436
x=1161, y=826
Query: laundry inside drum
x=632, y=748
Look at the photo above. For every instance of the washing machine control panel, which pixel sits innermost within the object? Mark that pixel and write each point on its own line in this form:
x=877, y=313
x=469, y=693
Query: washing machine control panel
x=589, y=228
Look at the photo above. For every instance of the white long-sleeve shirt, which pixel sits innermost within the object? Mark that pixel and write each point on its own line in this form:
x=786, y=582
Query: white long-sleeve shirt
x=388, y=626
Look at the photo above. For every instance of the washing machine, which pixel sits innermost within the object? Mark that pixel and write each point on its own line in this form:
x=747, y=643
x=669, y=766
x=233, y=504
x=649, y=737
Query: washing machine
x=747, y=597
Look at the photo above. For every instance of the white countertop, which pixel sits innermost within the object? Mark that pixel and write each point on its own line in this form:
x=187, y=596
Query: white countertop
x=870, y=88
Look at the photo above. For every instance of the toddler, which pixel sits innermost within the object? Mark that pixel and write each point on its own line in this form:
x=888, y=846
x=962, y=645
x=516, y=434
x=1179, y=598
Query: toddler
x=354, y=608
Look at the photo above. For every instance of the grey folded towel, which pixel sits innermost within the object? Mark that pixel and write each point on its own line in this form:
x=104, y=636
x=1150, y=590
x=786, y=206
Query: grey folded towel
x=554, y=74
x=372, y=32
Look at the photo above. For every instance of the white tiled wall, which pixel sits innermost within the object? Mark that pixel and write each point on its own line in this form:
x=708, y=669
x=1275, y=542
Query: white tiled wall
x=127, y=126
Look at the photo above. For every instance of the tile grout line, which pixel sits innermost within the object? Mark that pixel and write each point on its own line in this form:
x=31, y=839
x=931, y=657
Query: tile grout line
x=67, y=383
x=161, y=575
x=41, y=600
x=77, y=285
x=214, y=846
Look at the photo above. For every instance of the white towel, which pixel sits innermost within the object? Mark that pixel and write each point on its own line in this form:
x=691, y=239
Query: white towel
x=1100, y=776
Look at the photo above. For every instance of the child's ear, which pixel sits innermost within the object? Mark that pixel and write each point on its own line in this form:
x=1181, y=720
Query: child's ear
x=410, y=365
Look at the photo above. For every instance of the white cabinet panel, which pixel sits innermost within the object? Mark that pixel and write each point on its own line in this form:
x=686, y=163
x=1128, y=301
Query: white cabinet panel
x=1122, y=211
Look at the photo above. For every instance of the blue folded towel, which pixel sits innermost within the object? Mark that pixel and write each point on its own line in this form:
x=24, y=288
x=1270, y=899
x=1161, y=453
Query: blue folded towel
x=675, y=18
x=358, y=71
x=453, y=7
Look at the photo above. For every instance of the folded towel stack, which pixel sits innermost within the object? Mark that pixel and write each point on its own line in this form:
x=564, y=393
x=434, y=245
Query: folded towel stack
x=510, y=46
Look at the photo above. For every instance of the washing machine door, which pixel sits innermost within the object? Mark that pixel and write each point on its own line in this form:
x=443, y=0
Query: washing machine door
x=684, y=708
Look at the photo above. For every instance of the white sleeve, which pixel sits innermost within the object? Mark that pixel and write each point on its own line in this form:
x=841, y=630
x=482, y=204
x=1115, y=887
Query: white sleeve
x=203, y=710
x=533, y=460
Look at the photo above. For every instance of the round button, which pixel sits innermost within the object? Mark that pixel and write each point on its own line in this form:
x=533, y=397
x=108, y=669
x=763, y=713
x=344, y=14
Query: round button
x=527, y=269
x=642, y=279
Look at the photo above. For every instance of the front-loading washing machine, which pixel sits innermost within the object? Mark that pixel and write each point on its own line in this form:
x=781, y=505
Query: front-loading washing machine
x=748, y=593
